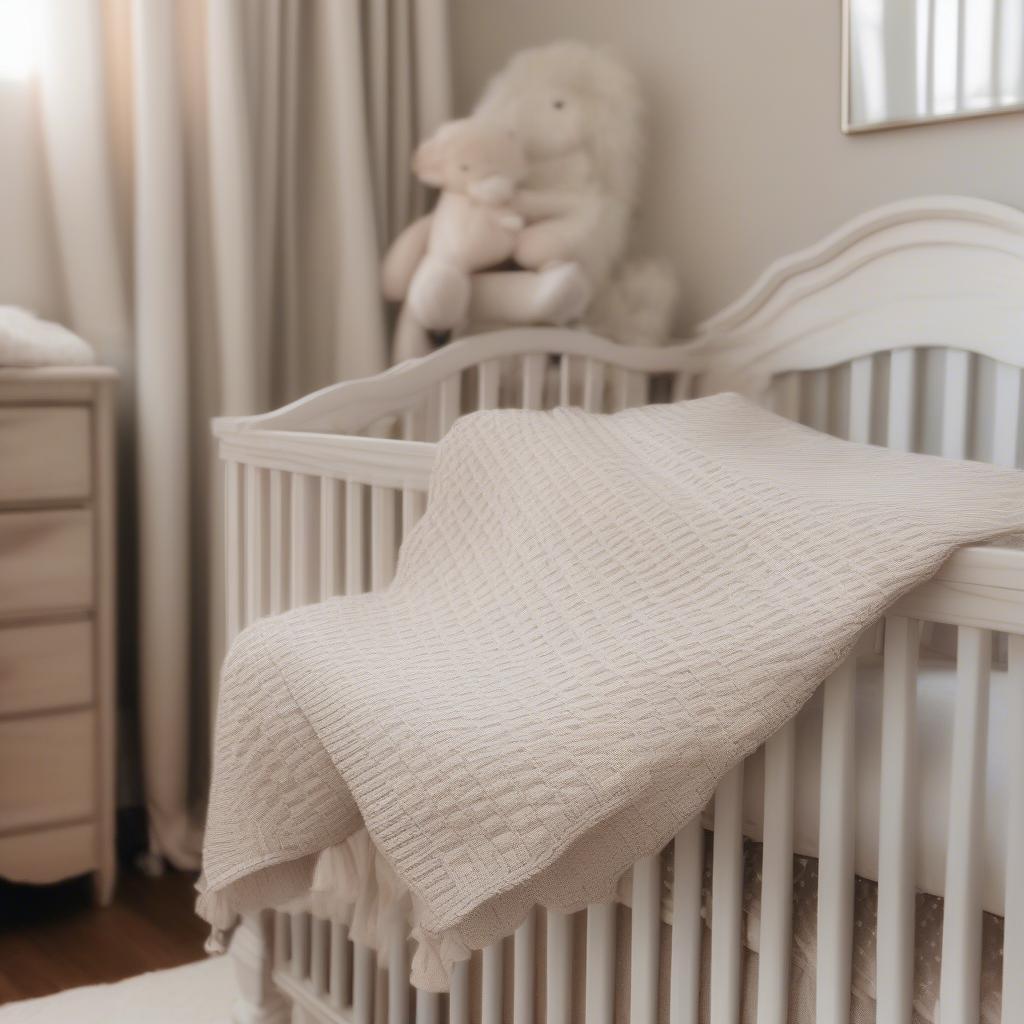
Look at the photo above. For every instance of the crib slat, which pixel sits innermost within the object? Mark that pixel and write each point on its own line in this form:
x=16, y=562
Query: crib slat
x=862, y=373
x=305, y=534
x=902, y=399
x=257, y=498
x=645, y=957
x=600, y=988
x=593, y=385
x=777, y=878
x=300, y=945
x=491, y=994
x=282, y=938
x=816, y=395
x=411, y=424
x=233, y=548
x=414, y=503
x=534, y=372
x=449, y=403
x=787, y=392
x=955, y=402
x=489, y=384
x=458, y=997
x=960, y=982
x=339, y=980
x=319, y=955
x=835, y=849
x=558, y=971
x=355, y=580
x=382, y=536
x=727, y=899
x=687, y=925
x=330, y=537
x=428, y=1008
x=897, y=808
x=524, y=970
x=398, y=974
x=1013, y=927
x=565, y=380
x=278, y=543
x=682, y=386
x=636, y=388
x=620, y=389
x=1007, y=405
x=364, y=971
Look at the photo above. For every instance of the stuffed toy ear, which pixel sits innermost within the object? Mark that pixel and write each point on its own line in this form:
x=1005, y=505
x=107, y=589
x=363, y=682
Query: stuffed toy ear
x=428, y=163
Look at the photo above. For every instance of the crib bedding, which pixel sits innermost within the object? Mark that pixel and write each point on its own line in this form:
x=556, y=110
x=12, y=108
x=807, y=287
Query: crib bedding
x=596, y=618
x=365, y=907
x=936, y=698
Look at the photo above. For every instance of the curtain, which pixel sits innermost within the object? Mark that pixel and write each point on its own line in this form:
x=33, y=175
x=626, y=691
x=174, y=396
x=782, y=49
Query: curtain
x=223, y=176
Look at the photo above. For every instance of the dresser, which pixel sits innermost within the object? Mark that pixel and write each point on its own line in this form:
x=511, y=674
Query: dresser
x=57, y=624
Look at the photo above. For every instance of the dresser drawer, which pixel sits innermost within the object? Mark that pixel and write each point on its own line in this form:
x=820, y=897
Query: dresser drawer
x=45, y=561
x=48, y=855
x=45, y=665
x=45, y=452
x=47, y=769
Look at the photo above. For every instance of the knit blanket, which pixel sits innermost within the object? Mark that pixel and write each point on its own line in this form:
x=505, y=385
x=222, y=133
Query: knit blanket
x=596, y=618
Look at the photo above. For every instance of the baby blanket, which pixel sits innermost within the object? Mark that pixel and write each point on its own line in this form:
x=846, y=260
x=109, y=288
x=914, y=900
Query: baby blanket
x=596, y=618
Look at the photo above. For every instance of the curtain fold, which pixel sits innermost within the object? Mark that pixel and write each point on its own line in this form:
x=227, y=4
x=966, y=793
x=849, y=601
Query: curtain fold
x=223, y=178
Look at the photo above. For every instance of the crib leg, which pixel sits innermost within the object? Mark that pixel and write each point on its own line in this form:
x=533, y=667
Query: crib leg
x=258, y=1001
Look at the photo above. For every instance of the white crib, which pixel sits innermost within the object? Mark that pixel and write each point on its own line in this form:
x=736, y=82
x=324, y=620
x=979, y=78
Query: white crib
x=906, y=328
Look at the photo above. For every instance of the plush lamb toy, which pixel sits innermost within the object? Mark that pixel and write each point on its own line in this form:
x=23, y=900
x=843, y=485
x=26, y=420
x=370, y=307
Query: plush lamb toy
x=579, y=115
x=478, y=164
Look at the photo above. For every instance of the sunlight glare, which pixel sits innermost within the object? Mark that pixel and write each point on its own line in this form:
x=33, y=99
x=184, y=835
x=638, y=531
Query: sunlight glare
x=20, y=38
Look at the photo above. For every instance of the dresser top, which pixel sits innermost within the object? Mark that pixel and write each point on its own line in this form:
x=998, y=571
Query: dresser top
x=57, y=373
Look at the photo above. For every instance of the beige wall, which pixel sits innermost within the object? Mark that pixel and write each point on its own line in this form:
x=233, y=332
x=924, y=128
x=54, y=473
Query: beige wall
x=746, y=160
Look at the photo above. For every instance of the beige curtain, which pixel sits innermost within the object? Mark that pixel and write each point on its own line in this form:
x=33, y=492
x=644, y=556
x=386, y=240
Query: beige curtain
x=223, y=176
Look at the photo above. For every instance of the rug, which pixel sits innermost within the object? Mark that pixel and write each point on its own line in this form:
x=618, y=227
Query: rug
x=199, y=993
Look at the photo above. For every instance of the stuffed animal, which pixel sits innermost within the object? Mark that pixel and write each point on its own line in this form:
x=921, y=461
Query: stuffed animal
x=477, y=165
x=579, y=117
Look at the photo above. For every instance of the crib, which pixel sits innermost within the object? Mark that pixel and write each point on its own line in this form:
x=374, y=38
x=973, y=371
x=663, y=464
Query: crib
x=905, y=327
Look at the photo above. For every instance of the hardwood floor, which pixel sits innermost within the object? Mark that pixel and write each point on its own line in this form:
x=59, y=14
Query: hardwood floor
x=52, y=937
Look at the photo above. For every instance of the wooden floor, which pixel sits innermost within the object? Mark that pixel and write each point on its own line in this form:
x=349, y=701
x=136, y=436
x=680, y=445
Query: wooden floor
x=52, y=937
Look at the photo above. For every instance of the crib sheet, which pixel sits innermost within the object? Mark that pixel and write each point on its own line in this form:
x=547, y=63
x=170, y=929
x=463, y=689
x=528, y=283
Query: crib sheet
x=936, y=697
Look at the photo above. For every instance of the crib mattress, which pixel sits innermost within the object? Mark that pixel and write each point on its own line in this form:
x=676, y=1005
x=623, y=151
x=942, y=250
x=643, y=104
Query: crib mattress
x=935, y=706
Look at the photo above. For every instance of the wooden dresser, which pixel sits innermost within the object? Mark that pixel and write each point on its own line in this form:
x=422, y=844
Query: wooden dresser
x=57, y=624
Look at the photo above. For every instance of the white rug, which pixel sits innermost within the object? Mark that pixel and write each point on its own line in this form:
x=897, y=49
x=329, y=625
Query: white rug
x=199, y=993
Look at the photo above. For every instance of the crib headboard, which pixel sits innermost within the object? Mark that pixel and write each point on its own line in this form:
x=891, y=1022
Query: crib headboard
x=904, y=327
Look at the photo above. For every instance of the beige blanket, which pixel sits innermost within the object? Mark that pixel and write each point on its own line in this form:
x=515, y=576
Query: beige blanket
x=597, y=617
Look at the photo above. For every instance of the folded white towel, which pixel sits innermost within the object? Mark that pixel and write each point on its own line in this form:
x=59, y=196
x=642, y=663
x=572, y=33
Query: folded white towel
x=25, y=340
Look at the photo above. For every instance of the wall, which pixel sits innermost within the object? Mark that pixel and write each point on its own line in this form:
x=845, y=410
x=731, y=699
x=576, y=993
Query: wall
x=746, y=161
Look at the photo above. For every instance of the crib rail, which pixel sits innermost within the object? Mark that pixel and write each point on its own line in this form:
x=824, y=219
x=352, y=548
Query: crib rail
x=937, y=401
x=533, y=368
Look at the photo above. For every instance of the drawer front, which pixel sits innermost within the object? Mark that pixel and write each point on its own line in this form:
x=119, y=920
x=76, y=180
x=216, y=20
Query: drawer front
x=45, y=665
x=49, y=854
x=45, y=453
x=45, y=561
x=47, y=769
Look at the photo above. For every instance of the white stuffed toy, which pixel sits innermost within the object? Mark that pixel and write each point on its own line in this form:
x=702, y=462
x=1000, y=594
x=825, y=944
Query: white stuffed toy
x=579, y=117
x=478, y=166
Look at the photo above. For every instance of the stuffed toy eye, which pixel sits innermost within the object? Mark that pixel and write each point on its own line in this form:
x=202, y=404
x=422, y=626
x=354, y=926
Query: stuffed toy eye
x=558, y=104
